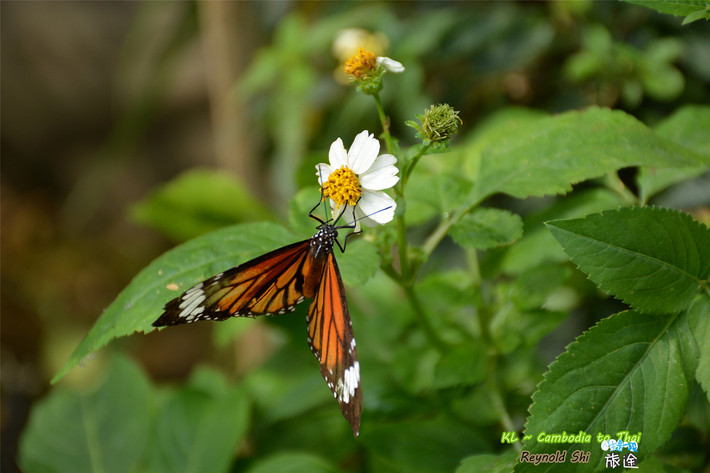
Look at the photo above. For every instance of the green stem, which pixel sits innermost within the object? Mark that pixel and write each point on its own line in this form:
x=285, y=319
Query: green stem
x=402, y=245
x=385, y=124
x=409, y=166
x=612, y=181
x=416, y=305
x=497, y=396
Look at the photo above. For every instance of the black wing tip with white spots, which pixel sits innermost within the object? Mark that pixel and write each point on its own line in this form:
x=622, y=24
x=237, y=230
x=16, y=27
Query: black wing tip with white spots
x=190, y=307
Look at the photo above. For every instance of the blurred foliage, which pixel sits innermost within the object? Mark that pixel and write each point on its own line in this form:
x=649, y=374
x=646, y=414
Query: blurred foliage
x=500, y=294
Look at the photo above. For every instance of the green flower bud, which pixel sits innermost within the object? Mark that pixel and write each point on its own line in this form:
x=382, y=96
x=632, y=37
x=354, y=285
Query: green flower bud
x=439, y=123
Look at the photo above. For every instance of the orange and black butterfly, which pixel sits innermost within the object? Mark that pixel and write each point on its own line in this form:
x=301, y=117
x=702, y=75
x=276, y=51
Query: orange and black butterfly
x=273, y=284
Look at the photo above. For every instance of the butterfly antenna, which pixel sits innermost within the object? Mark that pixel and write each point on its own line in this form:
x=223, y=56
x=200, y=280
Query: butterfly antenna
x=354, y=224
x=322, y=199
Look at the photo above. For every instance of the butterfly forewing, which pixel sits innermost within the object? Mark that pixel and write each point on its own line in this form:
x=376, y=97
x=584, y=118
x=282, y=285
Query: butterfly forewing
x=270, y=284
x=330, y=336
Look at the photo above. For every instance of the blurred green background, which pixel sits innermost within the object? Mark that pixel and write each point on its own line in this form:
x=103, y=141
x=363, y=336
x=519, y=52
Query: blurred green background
x=103, y=102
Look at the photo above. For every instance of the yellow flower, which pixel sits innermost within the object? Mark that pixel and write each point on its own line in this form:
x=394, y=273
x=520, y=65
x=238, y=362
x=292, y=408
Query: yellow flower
x=362, y=64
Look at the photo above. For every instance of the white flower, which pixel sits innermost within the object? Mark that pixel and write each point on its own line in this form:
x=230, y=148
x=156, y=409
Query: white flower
x=390, y=64
x=357, y=178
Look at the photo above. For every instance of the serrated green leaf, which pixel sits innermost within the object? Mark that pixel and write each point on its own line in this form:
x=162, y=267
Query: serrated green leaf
x=486, y=228
x=198, y=429
x=681, y=127
x=697, y=15
x=493, y=129
x=538, y=245
x=142, y=301
x=293, y=463
x=106, y=430
x=677, y=7
x=699, y=321
x=630, y=372
x=651, y=258
x=196, y=202
x=549, y=155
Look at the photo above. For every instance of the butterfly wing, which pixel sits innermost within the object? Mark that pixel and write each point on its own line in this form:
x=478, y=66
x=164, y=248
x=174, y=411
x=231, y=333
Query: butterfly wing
x=267, y=285
x=330, y=336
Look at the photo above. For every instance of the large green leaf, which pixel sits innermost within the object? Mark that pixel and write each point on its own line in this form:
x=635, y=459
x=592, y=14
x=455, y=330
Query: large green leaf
x=699, y=321
x=486, y=228
x=549, y=155
x=142, y=301
x=630, y=372
x=654, y=259
x=691, y=9
x=682, y=127
x=538, y=246
x=198, y=201
x=199, y=428
x=103, y=431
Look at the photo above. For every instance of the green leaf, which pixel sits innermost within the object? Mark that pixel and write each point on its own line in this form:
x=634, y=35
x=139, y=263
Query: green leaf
x=534, y=285
x=292, y=462
x=359, y=262
x=486, y=228
x=196, y=202
x=681, y=127
x=691, y=9
x=106, y=430
x=549, y=155
x=697, y=15
x=298, y=208
x=462, y=365
x=538, y=246
x=653, y=259
x=492, y=130
x=199, y=427
x=630, y=372
x=142, y=301
x=699, y=321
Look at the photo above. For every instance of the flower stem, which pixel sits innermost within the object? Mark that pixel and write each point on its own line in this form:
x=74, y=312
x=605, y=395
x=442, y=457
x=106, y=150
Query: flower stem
x=402, y=245
x=409, y=166
x=384, y=122
x=416, y=305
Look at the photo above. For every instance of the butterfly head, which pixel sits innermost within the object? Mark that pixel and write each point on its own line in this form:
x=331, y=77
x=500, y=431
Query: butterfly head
x=323, y=240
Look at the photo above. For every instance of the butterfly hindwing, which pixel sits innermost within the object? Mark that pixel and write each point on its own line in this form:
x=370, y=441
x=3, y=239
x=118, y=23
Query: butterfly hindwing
x=331, y=339
x=267, y=285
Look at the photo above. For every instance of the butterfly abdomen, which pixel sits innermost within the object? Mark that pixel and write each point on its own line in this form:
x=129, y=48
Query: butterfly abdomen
x=320, y=246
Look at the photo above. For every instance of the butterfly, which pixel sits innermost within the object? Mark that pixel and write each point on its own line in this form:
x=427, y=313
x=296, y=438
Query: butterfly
x=275, y=283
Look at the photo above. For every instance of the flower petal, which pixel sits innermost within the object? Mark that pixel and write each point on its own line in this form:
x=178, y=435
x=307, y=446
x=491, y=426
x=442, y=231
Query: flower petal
x=377, y=181
x=390, y=64
x=337, y=155
x=382, y=174
x=323, y=172
x=378, y=206
x=363, y=152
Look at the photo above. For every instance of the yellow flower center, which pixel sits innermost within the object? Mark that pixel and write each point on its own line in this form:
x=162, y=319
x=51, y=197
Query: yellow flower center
x=361, y=64
x=343, y=187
